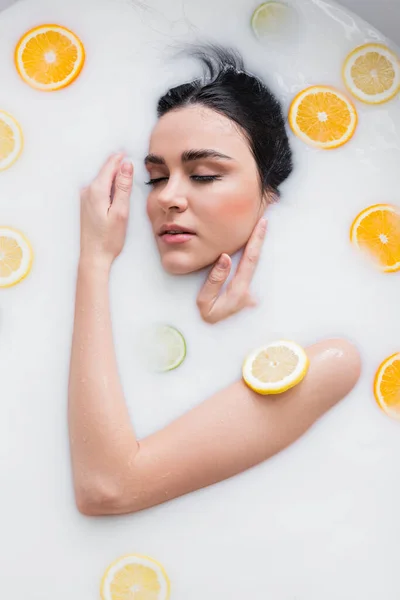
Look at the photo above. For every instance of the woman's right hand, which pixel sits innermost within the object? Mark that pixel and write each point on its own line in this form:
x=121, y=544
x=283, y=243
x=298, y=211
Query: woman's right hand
x=105, y=212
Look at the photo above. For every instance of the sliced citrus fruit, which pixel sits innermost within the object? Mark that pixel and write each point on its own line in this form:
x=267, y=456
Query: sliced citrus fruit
x=271, y=19
x=163, y=347
x=49, y=57
x=135, y=577
x=387, y=386
x=372, y=73
x=323, y=117
x=376, y=232
x=11, y=140
x=15, y=256
x=275, y=368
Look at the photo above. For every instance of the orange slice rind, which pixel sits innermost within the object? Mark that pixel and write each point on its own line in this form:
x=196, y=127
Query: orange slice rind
x=387, y=386
x=49, y=57
x=323, y=117
x=376, y=232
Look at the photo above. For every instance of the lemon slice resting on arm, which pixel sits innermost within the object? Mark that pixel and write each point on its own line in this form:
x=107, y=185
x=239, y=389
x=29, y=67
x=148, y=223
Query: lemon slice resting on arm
x=275, y=368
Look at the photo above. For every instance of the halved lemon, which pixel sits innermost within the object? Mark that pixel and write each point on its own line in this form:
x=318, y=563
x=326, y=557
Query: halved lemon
x=323, y=117
x=387, y=386
x=372, y=73
x=135, y=577
x=271, y=19
x=49, y=57
x=16, y=256
x=11, y=140
x=376, y=232
x=275, y=368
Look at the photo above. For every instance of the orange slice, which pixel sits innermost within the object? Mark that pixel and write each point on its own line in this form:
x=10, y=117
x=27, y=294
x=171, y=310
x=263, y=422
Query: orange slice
x=387, y=386
x=49, y=57
x=16, y=256
x=372, y=73
x=323, y=117
x=11, y=140
x=376, y=232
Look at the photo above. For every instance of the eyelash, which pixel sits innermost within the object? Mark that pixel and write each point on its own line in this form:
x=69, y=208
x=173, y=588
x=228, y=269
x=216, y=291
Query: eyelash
x=197, y=178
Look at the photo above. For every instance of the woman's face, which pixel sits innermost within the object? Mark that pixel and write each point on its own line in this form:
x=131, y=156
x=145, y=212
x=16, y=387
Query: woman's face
x=205, y=194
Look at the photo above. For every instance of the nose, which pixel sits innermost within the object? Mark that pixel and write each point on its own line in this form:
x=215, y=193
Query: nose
x=172, y=197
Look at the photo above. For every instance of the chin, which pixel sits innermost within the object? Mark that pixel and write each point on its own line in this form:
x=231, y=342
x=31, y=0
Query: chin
x=180, y=265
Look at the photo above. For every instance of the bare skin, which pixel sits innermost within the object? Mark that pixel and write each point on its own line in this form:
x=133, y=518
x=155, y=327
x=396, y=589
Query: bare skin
x=231, y=431
x=204, y=179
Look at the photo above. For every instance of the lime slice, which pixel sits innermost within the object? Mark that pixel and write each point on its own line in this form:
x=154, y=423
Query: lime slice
x=272, y=19
x=165, y=348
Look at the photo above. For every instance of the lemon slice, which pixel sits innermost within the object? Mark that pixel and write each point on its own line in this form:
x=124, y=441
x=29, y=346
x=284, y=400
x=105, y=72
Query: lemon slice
x=272, y=19
x=372, y=73
x=49, y=57
x=11, y=140
x=134, y=577
x=376, y=232
x=387, y=386
x=15, y=257
x=164, y=348
x=275, y=368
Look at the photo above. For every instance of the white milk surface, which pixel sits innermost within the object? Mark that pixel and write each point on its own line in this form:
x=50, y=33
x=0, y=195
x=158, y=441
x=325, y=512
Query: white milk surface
x=321, y=520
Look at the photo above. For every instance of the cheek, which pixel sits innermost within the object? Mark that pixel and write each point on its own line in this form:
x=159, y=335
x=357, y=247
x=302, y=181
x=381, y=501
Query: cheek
x=150, y=207
x=236, y=207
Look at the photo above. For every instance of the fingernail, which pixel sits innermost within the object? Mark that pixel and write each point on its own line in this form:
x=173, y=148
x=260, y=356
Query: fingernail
x=127, y=168
x=223, y=262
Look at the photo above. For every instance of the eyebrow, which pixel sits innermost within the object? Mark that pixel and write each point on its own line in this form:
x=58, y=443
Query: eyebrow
x=188, y=156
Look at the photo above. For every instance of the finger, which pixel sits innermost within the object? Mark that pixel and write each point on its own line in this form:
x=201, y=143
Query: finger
x=248, y=262
x=123, y=186
x=108, y=171
x=215, y=280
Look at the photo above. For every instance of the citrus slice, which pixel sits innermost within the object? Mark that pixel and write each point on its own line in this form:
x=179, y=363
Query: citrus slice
x=387, y=386
x=376, y=232
x=15, y=256
x=372, y=73
x=11, y=140
x=164, y=348
x=135, y=577
x=275, y=368
x=271, y=19
x=323, y=117
x=49, y=57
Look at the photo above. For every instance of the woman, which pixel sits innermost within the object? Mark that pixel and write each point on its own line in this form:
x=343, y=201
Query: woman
x=217, y=155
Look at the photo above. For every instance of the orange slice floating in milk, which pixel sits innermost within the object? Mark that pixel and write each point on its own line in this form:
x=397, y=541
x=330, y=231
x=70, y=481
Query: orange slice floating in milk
x=376, y=232
x=49, y=57
x=323, y=117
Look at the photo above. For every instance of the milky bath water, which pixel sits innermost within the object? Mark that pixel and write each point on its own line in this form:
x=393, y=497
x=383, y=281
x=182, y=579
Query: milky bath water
x=318, y=521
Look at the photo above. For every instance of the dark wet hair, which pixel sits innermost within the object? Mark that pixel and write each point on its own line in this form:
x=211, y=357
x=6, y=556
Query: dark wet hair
x=228, y=89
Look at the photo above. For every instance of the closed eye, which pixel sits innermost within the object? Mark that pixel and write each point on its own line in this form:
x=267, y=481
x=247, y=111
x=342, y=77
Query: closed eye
x=205, y=178
x=197, y=178
x=156, y=180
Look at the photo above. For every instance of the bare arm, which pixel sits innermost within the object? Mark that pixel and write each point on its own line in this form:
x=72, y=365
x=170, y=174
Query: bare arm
x=228, y=433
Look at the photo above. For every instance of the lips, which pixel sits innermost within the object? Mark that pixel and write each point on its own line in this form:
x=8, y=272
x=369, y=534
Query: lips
x=172, y=234
x=173, y=229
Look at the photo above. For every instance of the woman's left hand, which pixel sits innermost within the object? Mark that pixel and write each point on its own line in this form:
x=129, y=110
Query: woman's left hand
x=214, y=307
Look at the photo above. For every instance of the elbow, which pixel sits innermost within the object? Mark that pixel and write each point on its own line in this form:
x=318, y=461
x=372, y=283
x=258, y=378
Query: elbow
x=99, y=498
